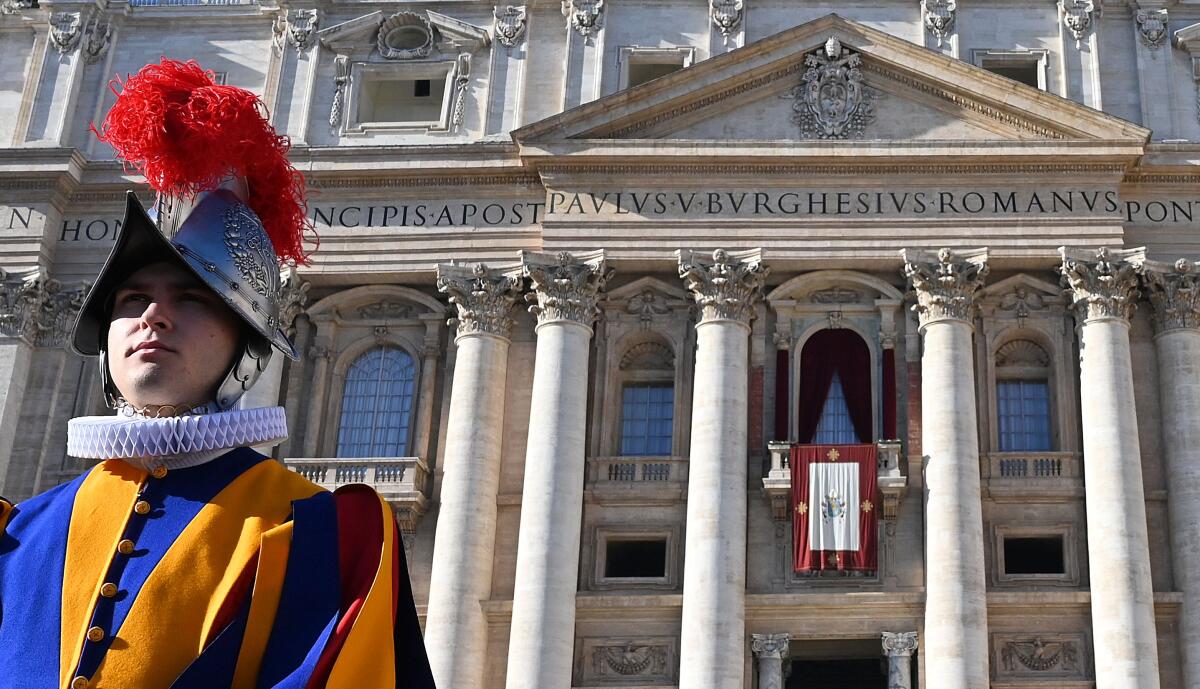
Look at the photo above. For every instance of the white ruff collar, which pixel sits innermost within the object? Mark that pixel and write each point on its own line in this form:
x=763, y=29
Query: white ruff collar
x=176, y=442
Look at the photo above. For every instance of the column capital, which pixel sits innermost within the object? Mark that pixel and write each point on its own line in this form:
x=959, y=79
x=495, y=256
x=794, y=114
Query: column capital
x=1102, y=283
x=566, y=287
x=769, y=645
x=945, y=282
x=899, y=643
x=725, y=286
x=483, y=296
x=1174, y=292
x=37, y=308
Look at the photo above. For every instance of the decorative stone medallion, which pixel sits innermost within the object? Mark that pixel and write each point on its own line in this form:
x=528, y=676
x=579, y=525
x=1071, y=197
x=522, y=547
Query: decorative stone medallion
x=1078, y=16
x=1152, y=27
x=509, y=25
x=405, y=36
x=938, y=17
x=584, y=16
x=832, y=102
x=726, y=16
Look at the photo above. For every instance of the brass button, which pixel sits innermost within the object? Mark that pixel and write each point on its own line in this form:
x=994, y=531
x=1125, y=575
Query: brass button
x=159, y=472
x=125, y=547
x=79, y=683
x=95, y=635
x=141, y=507
x=108, y=590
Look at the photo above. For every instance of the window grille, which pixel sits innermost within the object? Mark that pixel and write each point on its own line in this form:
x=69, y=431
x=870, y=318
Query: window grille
x=835, y=426
x=1024, y=415
x=377, y=405
x=647, y=412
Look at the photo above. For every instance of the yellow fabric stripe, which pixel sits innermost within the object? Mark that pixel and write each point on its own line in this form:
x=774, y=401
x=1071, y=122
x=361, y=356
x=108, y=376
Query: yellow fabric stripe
x=367, y=658
x=5, y=510
x=264, y=601
x=168, y=620
x=102, y=506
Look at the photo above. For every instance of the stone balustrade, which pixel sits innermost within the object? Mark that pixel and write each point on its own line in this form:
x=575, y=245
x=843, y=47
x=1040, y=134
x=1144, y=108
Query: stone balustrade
x=638, y=469
x=777, y=484
x=1034, y=465
x=402, y=481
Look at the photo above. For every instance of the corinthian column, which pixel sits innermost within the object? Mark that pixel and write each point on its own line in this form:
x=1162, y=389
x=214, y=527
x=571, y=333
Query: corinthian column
x=540, y=644
x=461, y=578
x=1103, y=286
x=714, y=567
x=769, y=650
x=899, y=648
x=1175, y=294
x=955, y=605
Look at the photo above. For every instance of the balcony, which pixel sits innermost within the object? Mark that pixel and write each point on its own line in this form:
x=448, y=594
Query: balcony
x=1030, y=475
x=777, y=485
x=401, y=481
x=637, y=480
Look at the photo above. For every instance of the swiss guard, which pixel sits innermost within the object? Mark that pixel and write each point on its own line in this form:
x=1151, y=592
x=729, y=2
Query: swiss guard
x=185, y=559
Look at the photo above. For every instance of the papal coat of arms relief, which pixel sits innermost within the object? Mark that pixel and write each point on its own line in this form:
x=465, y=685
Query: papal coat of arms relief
x=832, y=101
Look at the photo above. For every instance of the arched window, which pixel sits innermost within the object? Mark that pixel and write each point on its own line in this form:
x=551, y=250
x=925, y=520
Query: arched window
x=1023, y=397
x=377, y=405
x=835, y=389
x=647, y=400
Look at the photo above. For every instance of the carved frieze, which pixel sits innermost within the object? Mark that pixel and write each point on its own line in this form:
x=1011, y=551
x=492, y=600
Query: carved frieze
x=725, y=287
x=1102, y=284
x=38, y=309
x=1021, y=302
x=584, y=16
x=945, y=283
x=509, y=25
x=832, y=101
x=647, y=306
x=938, y=17
x=1079, y=16
x=1174, y=293
x=726, y=16
x=899, y=643
x=835, y=295
x=390, y=310
x=565, y=287
x=1022, y=353
x=626, y=661
x=66, y=28
x=1045, y=657
x=769, y=645
x=483, y=297
x=1152, y=27
x=297, y=29
x=648, y=356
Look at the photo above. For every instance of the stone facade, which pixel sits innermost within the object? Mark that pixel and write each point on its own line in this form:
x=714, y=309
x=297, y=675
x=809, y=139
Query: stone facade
x=684, y=193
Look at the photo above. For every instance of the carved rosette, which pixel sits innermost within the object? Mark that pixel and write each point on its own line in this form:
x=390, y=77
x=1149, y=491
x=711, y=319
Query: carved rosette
x=483, y=298
x=725, y=287
x=945, y=283
x=769, y=645
x=726, y=16
x=938, y=17
x=832, y=101
x=565, y=286
x=38, y=309
x=1079, y=16
x=509, y=25
x=296, y=28
x=899, y=643
x=584, y=16
x=1174, y=293
x=1152, y=27
x=1102, y=284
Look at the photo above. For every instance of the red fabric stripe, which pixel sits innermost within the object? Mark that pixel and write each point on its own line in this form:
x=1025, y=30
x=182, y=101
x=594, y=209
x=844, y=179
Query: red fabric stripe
x=233, y=602
x=360, y=545
x=783, y=362
x=889, y=394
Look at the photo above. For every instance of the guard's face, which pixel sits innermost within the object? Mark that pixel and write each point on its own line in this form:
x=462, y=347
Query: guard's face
x=170, y=339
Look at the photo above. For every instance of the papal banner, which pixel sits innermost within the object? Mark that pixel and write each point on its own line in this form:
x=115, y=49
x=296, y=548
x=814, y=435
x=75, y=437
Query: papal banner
x=835, y=507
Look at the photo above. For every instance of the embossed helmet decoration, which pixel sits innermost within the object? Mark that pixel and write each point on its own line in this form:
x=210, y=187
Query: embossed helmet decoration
x=230, y=208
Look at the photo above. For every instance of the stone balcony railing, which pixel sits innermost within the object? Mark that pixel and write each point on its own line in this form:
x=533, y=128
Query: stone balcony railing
x=638, y=469
x=777, y=485
x=1026, y=476
x=401, y=481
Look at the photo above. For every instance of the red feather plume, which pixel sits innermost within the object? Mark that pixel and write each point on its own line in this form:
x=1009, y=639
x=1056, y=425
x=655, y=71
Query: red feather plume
x=185, y=133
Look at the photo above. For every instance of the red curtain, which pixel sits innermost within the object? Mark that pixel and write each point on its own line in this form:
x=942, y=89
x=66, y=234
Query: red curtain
x=782, y=361
x=844, y=352
x=863, y=559
x=889, y=394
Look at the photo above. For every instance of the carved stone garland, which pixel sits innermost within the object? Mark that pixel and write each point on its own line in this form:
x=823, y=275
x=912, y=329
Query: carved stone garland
x=725, y=288
x=584, y=16
x=1152, y=27
x=509, y=25
x=726, y=16
x=37, y=308
x=1175, y=295
x=565, y=289
x=462, y=79
x=341, y=77
x=1078, y=17
x=938, y=17
x=945, y=285
x=832, y=101
x=1102, y=287
x=483, y=297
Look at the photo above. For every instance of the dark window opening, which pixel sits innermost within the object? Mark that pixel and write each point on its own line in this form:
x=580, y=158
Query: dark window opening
x=636, y=559
x=1034, y=555
x=1025, y=73
x=641, y=72
x=421, y=88
x=853, y=673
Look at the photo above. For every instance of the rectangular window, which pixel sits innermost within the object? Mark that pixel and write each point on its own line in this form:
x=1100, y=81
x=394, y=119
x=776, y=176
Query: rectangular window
x=1023, y=415
x=1025, y=66
x=1034, y=555
x=641, y=72
x=1025, y=73
x=647, y=414
x=635, y=559
x=401, y=100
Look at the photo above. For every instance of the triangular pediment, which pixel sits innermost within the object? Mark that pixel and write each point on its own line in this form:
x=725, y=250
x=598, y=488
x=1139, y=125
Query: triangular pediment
x=761, y=92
